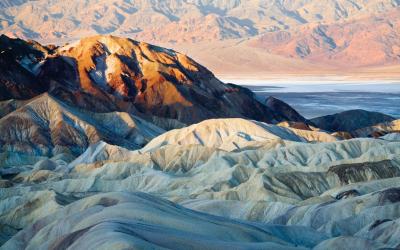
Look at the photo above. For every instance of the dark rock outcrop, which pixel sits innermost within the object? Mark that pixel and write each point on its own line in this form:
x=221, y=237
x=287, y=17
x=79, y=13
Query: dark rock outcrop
x=17, y=78
x=284, y=110
x=349, y=121
x=358, y=172
x=347, y=194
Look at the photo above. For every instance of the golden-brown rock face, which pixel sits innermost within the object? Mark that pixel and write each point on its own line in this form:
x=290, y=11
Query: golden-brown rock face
x=155, y=81
x=140, y=72
x=107, y=73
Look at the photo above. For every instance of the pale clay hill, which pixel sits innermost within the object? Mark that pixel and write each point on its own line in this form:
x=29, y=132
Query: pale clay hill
x=235, y=134
x=86, y=161
x=304, y=37
x=303, y=194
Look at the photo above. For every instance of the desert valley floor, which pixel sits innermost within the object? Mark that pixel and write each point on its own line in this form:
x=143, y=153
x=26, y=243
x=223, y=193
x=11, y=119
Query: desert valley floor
x=315, y=98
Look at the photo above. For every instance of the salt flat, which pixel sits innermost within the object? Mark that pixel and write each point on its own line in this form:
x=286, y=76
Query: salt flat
x=314, y=98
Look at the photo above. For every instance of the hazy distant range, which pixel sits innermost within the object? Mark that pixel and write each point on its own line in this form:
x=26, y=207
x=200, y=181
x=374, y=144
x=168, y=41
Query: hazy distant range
x=317, y=99
x=232, y=37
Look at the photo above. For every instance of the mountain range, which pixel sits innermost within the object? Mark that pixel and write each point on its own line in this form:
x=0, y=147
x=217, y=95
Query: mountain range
x=298, y=37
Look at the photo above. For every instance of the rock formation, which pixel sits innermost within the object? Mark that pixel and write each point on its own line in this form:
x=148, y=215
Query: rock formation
x=106, y=73
x=390, y=128
x=45, y=126
x=351, y=120
x=282, y=108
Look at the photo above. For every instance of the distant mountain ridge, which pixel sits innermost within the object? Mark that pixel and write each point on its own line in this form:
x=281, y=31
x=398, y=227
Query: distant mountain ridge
x=194, y=20
x=371, y=40
x=331, y=33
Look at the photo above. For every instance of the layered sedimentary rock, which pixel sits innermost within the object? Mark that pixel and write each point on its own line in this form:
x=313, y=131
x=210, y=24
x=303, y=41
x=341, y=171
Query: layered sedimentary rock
x=141, y=221
x=44, y=126
x=316, y=186
x=159, y=81
x=302, y=193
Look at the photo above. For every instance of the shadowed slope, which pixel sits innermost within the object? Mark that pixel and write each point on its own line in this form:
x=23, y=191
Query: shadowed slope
x=45, y=126
x=283, y=109
x=18, y=72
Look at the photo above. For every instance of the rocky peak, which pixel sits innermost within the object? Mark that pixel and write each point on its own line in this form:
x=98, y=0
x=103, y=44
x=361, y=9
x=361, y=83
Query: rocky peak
x=108, y=73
